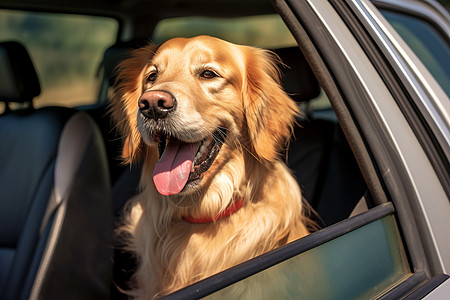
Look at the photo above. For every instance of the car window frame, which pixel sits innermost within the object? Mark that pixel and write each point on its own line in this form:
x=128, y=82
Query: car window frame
x=351, y=107
x=403, y=191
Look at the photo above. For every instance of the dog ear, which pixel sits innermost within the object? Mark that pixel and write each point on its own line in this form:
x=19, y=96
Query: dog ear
x=269, y=111
x=124, y=106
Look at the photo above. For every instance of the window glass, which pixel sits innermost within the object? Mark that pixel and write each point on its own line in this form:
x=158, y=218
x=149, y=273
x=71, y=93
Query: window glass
x=268, y=31
x=427, y=43
x=66, y=51
x=361, y=264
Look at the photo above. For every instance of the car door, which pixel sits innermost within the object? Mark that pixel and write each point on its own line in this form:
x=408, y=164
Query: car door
x=395, y=116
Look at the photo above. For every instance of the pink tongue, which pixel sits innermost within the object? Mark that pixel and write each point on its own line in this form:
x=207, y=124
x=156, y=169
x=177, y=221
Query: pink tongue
x=172, y=170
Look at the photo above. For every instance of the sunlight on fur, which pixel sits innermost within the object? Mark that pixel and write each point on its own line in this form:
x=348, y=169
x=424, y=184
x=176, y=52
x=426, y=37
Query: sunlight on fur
x=222, y=118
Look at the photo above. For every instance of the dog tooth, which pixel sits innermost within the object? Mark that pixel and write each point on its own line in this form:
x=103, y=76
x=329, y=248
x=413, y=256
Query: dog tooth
x=196, y=158
x=202, y=149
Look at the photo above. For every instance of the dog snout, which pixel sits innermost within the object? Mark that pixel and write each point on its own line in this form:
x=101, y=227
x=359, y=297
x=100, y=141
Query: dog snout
x=156, y=104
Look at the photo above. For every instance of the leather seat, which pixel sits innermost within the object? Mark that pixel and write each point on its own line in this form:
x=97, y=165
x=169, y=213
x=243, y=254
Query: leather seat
x=319, y=154
x=126, y=184
x=55, y=215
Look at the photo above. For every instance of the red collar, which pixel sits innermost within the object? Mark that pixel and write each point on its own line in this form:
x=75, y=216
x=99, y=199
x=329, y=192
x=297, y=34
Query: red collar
x=227, y=212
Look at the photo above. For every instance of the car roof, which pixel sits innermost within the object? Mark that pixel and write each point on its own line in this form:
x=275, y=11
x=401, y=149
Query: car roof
x=138, y=8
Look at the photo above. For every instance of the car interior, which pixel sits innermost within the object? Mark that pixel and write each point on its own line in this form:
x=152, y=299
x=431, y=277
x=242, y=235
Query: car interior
x=57, y=187
x=65, y=187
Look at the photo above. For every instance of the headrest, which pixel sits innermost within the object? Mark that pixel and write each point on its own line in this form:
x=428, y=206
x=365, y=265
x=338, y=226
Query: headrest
x=116, y=53
x=298, y=80
x=18, y=79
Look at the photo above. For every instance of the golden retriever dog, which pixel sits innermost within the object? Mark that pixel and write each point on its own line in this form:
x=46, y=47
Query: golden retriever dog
x=218, y=194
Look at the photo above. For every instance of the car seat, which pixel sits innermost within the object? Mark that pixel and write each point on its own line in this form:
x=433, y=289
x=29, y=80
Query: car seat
x=55, y=216
x=100, y=110
x=125, y=178
x=319, y=154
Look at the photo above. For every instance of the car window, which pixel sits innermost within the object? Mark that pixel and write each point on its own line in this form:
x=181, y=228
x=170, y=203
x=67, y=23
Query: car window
x=338, y=269
x=267, y=31
x=363, y=263
x=66, y=51
x=427, y=43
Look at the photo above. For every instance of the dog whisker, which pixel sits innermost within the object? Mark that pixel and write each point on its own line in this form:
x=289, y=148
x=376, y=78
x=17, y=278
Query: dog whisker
x=251, y=153
x=217, y=139
x=119, y=123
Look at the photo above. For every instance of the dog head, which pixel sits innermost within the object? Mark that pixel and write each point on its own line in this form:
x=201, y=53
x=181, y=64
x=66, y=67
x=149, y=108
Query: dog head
x=205, y=100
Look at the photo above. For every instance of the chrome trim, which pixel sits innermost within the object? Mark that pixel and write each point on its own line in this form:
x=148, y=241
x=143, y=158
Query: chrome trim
x=433, y=100
x=428, y=8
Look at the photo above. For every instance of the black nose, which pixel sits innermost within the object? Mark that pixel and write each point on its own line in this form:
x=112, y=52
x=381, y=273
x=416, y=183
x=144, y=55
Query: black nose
x=156, y=104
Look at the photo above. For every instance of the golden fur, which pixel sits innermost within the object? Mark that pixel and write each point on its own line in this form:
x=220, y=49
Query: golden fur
x=245, y=98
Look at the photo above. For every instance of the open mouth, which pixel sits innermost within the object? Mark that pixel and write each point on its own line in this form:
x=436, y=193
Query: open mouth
x=182, y=163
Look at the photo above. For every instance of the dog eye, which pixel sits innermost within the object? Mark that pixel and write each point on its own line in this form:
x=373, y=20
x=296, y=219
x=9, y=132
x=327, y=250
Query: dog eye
x=152, y=77
x=208, y=74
